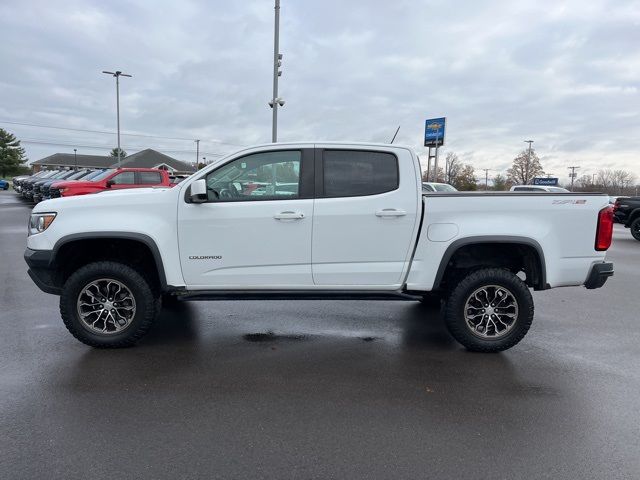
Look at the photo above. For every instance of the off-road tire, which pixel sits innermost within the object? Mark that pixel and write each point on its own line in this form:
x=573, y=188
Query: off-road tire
x=454, y=315
x=147, y=304
x=635, y=228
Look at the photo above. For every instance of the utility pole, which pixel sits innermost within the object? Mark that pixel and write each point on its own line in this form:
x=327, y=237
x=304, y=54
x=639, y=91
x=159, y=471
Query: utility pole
x=486, y=178
x=573, y=175
x=277, y=62
x=118, y=74
x=526, y=169
x=593, y=178
x=75, y=159
x=197, y=152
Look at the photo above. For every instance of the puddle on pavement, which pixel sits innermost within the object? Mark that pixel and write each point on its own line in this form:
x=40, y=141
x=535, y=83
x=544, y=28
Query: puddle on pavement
x=271, y=337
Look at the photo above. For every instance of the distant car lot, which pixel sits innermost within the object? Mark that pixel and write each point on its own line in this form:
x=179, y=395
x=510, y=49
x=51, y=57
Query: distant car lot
x=285, y=389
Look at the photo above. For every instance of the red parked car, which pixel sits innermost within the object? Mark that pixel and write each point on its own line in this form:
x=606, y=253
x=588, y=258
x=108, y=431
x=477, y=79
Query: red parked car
x=116, y=179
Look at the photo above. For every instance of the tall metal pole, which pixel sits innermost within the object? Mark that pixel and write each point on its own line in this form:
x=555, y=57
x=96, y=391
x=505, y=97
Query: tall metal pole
x=573, y=175
x=276, y=65
x=75, y=159
x=486, y=178
x=526, y=169
x=118, y=74
x=197, y=152
x=118, y=114
x=435, y=163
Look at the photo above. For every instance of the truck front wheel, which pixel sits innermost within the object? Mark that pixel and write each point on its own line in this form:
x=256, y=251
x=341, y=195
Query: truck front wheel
x=108, y=305
x=490, y=310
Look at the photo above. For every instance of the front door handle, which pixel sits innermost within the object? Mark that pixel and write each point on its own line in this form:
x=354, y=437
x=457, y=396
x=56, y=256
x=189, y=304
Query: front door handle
x=289, y=215
x=390, y=212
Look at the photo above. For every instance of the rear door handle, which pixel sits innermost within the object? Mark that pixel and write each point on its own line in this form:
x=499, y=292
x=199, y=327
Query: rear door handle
x=390, y=212
x=289, y=215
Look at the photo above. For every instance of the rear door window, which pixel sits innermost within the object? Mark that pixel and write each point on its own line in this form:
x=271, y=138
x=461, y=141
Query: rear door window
x=351, y=173
x=149, y=178
x=124, y=178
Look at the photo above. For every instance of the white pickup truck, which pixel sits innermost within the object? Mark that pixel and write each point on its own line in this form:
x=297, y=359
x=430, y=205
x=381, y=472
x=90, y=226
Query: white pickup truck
x=315, y=221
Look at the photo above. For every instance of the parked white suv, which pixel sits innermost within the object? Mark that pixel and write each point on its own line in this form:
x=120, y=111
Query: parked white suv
x=538, y=188
x=314, y=221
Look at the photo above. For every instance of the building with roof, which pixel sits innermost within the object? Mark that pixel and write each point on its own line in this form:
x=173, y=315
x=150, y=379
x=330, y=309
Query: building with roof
x=148, y=158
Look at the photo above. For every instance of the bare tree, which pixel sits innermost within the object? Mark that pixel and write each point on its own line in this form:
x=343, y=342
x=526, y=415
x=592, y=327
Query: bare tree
x=453, y=166
x=615, y=182
x=525, y=168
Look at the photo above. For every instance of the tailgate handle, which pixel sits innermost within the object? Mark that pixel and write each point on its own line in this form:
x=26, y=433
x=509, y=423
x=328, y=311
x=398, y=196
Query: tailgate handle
x=390, y=212
x=289, y=215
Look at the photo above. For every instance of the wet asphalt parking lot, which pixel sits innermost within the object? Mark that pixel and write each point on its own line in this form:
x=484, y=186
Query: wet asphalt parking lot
x=310, y=389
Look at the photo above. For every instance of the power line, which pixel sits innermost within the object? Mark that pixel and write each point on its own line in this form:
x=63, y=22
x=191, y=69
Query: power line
x=104, y=132
x=106, y=147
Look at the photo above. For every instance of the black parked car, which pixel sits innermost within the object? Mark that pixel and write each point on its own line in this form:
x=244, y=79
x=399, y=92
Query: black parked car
x=39, y=185
x=44, y=190
x=26, y=186
x=627, y=212
x=31, y=188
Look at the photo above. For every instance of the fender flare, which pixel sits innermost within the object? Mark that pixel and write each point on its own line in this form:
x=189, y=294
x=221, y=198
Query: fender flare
x=139, y=237
x=462, y=242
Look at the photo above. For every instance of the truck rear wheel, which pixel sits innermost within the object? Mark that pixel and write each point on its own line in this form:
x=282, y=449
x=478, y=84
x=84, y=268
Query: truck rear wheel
x=108, y=305
x=490, y=310
x=635, y=228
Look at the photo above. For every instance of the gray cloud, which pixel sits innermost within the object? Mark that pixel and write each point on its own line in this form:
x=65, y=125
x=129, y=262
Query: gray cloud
x=564, y=74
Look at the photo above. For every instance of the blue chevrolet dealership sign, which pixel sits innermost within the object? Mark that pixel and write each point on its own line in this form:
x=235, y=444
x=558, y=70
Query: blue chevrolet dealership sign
x=549, y=182
x=434, y=132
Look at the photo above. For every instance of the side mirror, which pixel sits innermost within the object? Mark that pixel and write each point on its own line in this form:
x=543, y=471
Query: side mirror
x=110, y=183
x=198, y=193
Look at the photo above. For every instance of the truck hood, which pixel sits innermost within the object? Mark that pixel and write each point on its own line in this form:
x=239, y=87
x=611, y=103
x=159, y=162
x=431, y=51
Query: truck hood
x=132, y=197
x=75, y=183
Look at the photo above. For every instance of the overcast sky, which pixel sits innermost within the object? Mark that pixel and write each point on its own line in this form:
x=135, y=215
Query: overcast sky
x=563, y=73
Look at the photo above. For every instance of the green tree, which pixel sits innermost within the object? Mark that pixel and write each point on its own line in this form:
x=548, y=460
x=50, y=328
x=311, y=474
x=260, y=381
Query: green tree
x=12, y=157
x=466, y=178
x=114, y=153
x=500, y=183
x=525, y=168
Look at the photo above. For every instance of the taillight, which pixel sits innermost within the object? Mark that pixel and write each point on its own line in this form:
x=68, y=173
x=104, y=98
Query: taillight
x=604, y=231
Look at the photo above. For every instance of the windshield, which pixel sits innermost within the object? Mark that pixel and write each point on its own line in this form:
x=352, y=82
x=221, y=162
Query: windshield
x=77, y=175
x=443, y=187
x=558, y=189
x=92, y=175
x=102, y=175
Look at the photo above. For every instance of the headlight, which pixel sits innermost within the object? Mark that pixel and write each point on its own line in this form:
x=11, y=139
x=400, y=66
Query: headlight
x=39, y=222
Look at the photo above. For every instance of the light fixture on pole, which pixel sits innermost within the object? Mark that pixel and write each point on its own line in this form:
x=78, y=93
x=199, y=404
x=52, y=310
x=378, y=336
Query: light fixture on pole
x=75, y=159
x=277, y=63
x=117, y=74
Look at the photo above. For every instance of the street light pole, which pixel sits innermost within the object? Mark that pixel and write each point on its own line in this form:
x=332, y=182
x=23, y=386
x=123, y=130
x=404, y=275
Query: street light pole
x=197, y=152
x=118, y=74
x=528, y=161
x=277, y=61
x=75, y=159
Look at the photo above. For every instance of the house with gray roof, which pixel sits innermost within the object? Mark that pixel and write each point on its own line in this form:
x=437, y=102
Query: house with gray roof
x=148, y=158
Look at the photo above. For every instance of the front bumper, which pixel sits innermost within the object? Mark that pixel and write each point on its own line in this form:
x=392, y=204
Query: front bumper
x=598, y=275
x=42, y=271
